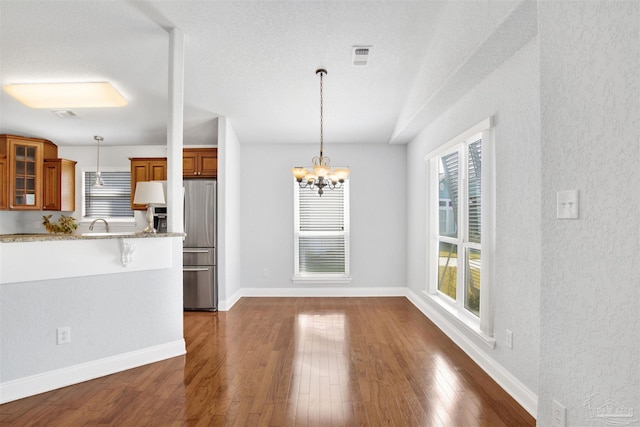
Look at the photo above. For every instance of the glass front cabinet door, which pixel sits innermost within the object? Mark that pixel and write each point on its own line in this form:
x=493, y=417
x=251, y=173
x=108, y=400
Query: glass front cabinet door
x=25, y=183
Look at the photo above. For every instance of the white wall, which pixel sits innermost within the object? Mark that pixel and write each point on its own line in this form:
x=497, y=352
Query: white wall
x=229, y=215
x=590, y=100
x=567, y=109
x=377, y=200
x=507, y=88
x=510, y=94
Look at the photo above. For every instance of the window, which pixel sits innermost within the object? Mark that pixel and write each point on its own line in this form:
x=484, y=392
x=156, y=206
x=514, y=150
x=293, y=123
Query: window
x=462, y=165
x=321, y=234
x=461, y=218
x=111, y=200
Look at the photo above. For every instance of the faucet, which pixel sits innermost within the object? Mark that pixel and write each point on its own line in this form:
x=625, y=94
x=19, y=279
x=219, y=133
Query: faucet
x=99, y=219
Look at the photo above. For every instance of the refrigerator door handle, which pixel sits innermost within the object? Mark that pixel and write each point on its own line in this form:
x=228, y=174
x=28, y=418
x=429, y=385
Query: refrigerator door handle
x=195, y=251
x=195, y=268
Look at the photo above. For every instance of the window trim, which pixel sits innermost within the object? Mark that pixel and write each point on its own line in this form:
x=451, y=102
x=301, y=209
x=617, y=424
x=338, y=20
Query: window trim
x=88, y=219
x=304, y=277
x=484, y=325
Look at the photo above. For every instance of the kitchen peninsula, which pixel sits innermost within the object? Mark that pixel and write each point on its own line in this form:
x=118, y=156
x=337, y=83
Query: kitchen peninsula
x=72, y=255
x=119, y=295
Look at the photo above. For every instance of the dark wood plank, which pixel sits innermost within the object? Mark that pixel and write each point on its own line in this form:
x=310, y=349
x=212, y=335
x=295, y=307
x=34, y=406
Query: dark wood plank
x=292, y=361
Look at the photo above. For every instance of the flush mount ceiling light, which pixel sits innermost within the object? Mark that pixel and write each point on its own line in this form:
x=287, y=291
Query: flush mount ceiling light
x=322, y=176
x=66, y=95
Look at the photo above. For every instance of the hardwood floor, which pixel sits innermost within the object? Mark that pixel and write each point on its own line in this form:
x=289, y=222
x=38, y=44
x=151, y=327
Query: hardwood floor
x=291, y=361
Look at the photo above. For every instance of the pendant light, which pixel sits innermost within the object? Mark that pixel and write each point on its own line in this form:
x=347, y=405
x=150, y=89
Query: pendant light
x=98, y=182
x=320, y=175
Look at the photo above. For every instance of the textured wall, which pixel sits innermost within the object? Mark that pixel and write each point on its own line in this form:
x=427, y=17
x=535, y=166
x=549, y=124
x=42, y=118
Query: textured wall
x=590, y=335
x=377, y=201
x=510, y=94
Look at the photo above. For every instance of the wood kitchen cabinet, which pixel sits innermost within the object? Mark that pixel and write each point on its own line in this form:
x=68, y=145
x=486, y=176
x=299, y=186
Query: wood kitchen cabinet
x=59, y=185
x=146, y=169
x=24, y=162
x=200, y=163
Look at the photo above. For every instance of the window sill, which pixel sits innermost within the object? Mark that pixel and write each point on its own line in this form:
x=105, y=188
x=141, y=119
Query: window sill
x=465, y=320
x=321, y=279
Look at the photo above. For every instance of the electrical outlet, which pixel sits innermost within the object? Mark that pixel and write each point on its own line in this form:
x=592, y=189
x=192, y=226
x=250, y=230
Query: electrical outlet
x=508, y=338
x=64, y=335
x=265, y=272
x=559, y=415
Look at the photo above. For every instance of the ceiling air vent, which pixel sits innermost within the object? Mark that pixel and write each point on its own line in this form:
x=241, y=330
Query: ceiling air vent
x=361, y=55
x=64, y=114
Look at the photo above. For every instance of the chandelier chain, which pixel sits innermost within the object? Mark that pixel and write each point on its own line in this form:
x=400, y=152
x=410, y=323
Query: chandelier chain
x=321, y=175
x=321, y=120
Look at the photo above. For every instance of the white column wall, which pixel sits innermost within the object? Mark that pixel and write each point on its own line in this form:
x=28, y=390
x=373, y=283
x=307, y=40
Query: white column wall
x=229, y=215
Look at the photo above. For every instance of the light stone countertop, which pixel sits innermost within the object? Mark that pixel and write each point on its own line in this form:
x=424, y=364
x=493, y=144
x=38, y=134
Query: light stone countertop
x=36, y=237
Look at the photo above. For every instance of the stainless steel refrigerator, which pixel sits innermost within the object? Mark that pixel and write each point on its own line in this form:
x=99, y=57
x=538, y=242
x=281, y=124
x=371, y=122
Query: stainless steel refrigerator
x=200, y=287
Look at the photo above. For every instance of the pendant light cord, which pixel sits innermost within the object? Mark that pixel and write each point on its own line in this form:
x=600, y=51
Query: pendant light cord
x=98, y=182
x=97, y=138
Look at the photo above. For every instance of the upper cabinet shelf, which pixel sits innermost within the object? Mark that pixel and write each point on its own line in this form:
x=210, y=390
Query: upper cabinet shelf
x=200, y=163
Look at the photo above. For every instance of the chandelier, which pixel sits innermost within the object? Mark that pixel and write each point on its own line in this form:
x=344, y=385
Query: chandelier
x=320, y=175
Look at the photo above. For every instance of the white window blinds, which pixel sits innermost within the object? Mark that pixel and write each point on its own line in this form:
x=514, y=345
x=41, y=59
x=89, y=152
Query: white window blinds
x=474, y=192
x=321, y=232
x=112, y=199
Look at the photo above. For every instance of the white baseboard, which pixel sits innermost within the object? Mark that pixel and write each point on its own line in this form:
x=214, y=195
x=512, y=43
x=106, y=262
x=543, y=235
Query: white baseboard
x=225, y=305
x=51, y=380
x=521, y=393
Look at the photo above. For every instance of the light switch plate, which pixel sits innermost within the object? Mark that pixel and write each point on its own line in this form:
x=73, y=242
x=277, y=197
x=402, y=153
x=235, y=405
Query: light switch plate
x=568, y=204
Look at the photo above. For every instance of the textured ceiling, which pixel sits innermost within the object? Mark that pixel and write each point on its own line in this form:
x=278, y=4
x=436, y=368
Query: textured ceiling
x=253, y=62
